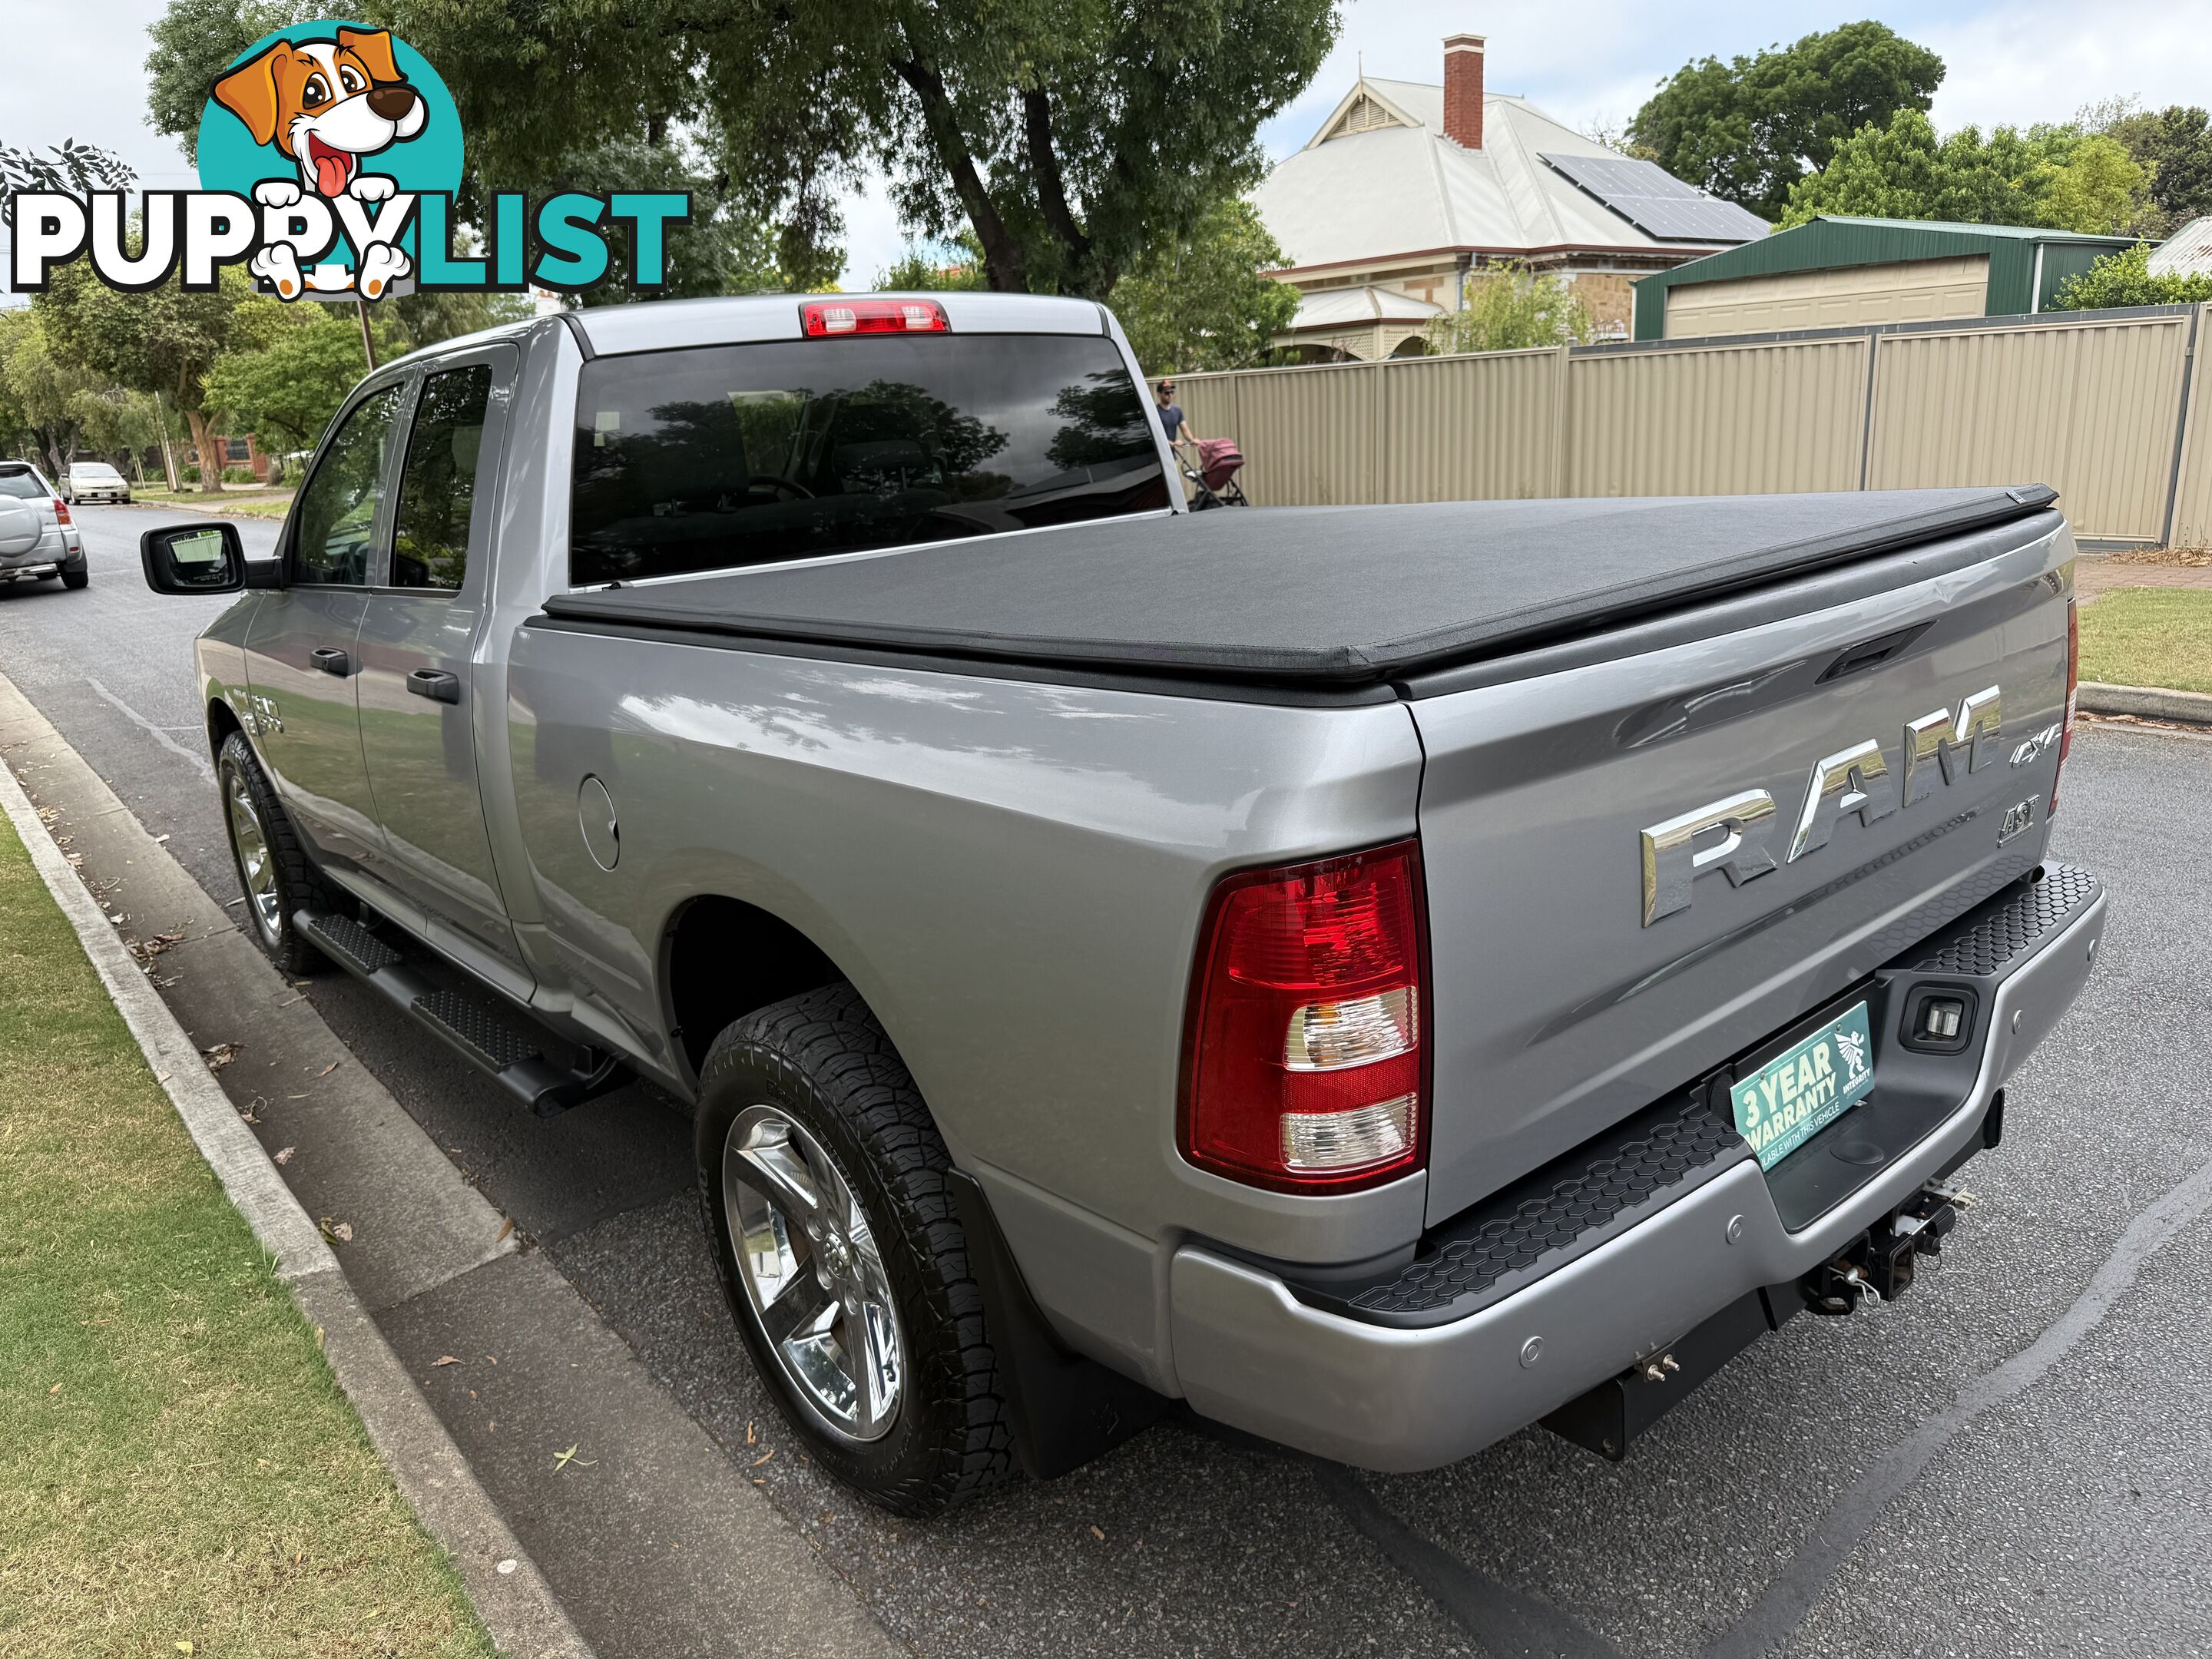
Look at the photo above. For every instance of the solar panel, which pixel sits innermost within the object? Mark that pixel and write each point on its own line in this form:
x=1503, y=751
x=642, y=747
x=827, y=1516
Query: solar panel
x=1656, y=202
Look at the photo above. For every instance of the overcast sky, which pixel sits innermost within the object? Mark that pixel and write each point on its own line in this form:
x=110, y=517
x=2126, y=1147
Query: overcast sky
x=2017, y=61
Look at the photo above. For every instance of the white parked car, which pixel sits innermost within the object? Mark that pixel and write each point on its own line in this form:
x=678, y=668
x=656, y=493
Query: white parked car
x=94, y=481
x=37, y=539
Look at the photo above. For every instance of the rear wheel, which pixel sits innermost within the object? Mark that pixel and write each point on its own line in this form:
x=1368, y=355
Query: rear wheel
x=841, y=1254
x=76, y=578
x=274, y=871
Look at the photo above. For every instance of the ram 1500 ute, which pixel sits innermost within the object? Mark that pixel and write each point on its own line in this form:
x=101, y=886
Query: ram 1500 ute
x=1382, y=976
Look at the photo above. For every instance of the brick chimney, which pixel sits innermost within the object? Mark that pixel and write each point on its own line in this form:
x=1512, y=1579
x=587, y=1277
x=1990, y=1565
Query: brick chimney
x=1463, y=90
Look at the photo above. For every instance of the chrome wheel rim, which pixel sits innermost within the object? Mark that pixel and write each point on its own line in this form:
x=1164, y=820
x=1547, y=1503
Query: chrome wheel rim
x=813, y=1276
x=257, y=871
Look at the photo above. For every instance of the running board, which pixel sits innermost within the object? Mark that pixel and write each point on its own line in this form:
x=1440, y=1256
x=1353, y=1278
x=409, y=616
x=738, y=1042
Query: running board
x=486, y=1039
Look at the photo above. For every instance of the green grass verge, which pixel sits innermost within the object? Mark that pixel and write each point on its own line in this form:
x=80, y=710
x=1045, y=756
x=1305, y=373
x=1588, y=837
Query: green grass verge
x=229, y=506
x=177, y=1464
x=2149, y=636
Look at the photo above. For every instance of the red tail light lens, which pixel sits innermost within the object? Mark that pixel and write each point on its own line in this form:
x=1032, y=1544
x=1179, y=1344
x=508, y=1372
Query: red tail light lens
x=2073, y=695
x=830, y=318
x=61, y=511
x=1304, y=1053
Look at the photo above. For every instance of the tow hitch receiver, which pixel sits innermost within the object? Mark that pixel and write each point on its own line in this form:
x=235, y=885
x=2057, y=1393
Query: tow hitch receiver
x=1880, y=1262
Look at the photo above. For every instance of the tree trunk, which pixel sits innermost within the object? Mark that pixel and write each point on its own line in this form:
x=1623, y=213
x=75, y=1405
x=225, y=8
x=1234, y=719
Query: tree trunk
x=1002, y=254
x=1052, y=197
x=203, y=440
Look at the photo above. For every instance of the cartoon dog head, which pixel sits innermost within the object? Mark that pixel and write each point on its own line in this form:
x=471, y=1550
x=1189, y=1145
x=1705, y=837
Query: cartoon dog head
x=324, y=103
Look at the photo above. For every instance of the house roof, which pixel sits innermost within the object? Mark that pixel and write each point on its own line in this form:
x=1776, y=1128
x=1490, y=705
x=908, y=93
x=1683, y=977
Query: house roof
x=2187, y=253
x=1349, y=308
x=1381, y=179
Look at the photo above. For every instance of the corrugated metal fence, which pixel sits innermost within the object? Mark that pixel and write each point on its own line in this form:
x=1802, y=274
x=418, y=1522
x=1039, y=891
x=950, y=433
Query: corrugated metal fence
x=2101, y=405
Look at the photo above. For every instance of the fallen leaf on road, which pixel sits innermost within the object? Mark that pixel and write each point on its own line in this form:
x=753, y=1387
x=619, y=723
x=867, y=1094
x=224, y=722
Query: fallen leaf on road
x=328, y=1069
x=1098, y=1534
x=158, y=840
x=505, y=1227
x=338, y=1232
x=443, y=1359
x=763, y=1457
x=221, y=1055
x=749, y=1437
x=562, y=1460
x=284, y=1157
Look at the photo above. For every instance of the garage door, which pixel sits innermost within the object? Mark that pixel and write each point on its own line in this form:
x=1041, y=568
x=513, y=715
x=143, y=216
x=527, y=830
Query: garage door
x=1912, y=291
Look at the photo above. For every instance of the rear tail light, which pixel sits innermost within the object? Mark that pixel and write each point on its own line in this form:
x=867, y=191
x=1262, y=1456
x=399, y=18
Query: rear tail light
x=826, y=318
x=61, y=511
x=2073, y=695
x=1304, y=1064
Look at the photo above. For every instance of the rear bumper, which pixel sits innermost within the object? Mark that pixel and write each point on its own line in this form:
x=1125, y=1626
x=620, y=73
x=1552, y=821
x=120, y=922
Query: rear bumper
x=1250, y=1352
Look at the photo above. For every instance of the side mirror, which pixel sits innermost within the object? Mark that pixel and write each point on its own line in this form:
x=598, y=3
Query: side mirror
x=193, y=558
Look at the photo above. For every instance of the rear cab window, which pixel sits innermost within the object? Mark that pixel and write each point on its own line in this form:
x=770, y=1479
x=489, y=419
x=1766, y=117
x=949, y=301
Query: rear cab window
x=22, y=484
x=717, y=457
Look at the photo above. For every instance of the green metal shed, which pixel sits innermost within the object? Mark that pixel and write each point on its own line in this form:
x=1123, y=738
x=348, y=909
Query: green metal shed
x=2026, y=265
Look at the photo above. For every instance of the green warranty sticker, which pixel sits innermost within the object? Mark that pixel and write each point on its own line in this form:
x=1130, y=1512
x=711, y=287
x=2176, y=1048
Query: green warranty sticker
x=1803, y=1090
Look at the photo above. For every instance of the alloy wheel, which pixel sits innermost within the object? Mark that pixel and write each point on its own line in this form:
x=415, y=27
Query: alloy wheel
x=257, y=869
x=813, y=1275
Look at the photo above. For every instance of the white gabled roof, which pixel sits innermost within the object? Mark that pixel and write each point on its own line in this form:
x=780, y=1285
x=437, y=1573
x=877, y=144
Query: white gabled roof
x=2187, y=253
x=1360, y=192
x=1348, y=308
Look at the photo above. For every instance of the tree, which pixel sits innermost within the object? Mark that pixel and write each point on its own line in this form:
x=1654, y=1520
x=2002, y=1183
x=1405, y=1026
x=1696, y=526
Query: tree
x=2048, y=176
x=46, y=399
x=2125, y=279
x=1202, y=302
x=2174, y=146
x=1749, y=129
x=286, y=391
x=1509, y=308
x=164, y=340
x=952, y=268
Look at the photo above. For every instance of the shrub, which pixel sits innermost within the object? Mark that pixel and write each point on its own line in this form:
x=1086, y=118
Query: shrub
x=2125, y=279
x=1508, y=308
x=239, y=474
x=188, y=473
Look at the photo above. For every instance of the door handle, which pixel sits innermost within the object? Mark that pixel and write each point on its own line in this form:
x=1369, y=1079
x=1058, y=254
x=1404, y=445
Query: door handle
x=331, y=661
x=435, y=683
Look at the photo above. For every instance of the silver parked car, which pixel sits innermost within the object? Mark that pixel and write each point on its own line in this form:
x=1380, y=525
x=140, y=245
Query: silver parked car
x=94, y=481
x=43, y=542
x=1381, y=975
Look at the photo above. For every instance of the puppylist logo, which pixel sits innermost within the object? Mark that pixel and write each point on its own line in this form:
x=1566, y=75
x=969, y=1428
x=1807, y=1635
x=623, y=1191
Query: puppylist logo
x=329, y=157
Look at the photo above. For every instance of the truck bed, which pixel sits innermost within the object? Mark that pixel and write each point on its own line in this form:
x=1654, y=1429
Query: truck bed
x=1323, y=596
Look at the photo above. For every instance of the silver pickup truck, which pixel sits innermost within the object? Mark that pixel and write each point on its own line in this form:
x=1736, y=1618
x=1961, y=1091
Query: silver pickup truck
x=1381, y=976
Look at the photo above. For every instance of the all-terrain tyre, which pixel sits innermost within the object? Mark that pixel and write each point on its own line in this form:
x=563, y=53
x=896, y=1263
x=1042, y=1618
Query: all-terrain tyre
x=811, y=1090
x=274, y=871
x=77, y=578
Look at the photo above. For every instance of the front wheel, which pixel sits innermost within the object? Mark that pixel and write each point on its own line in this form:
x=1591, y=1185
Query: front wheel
x=832, y=1226
x=274, y=871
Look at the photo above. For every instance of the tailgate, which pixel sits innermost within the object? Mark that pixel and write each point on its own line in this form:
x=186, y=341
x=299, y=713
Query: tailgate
x=1581, y=968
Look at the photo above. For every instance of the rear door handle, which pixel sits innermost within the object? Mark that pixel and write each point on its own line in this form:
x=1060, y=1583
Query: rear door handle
x=435, y=683
x=330, y=660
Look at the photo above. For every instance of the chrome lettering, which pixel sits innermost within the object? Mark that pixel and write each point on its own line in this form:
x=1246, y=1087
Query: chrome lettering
x=1854, y=780
x=1672, y=860
x=1939, y=736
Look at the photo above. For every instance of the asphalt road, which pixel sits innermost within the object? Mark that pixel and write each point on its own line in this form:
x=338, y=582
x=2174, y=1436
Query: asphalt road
x=2015, y=1459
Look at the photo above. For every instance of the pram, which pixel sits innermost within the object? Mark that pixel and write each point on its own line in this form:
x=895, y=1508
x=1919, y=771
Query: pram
x=1213, y=480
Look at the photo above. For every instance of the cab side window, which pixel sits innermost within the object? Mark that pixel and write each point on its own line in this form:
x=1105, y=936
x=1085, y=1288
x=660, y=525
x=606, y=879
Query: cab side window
x=338, y=509
x=438, y=486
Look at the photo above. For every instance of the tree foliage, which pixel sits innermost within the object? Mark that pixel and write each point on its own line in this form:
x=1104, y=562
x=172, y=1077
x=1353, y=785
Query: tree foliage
x=2055, y=177
x=2125, y=279
x=1067, y=134
x=1750, y=129
x=44, y=400
x=1201, y=302
x=2174, y=147
x=162, y=341
x=1507, y=308
x=286, y=393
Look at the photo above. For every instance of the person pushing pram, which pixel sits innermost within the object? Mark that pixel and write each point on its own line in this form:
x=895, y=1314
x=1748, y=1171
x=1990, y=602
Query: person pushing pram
x=1210, y=465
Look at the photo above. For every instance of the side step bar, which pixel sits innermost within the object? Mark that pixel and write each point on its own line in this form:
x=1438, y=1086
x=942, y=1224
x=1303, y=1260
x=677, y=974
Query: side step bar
x=467, y=1026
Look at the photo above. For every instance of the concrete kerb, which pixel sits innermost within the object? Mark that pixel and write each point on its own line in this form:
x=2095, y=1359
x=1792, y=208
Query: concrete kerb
x=2145, y=702
x=510, y=1595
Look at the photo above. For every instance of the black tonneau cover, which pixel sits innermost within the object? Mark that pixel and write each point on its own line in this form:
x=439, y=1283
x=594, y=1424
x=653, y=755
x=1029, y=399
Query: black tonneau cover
x=1323, y=595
